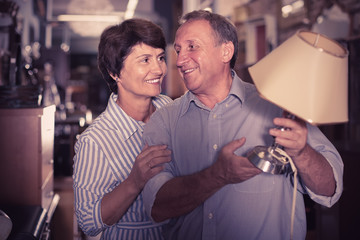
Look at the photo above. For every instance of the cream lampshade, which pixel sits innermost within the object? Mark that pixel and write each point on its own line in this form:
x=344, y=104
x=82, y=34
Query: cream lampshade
x=307, y=76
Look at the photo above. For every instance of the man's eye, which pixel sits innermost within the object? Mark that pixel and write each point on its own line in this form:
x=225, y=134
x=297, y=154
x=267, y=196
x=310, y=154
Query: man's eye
x=162, y=58
x=192, y=47
x=145, y=60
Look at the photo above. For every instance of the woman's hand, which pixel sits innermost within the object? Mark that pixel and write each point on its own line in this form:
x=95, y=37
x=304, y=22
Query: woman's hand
x=149, y=163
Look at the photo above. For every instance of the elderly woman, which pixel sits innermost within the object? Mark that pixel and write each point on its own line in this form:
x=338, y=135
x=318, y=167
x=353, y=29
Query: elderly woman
x=110, y=165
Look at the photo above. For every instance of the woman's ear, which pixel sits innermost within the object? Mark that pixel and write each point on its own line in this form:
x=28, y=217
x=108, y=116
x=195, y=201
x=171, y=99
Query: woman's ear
x=227, y=51
x=115, y=77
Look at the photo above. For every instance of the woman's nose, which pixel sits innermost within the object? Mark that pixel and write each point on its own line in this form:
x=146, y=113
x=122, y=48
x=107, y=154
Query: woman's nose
x=159, y=67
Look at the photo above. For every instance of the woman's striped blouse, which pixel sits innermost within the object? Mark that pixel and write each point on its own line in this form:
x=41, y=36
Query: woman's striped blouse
x=104, y=155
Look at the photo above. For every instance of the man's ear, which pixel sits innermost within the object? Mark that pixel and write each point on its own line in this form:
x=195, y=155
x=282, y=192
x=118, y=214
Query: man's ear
x=227, y=51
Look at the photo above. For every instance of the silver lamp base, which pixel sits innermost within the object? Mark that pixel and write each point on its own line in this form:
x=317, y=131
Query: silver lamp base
x=269, y=160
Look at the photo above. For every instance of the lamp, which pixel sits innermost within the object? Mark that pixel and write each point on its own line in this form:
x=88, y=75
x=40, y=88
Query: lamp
x=306, y=76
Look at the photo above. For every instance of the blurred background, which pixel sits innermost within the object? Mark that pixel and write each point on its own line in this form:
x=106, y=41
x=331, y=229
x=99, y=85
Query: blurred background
x=48, y=48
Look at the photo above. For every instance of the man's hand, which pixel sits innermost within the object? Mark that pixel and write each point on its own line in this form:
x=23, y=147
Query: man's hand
x=293, y=138
x=315, y=171
x=231, y=168
x=181, y=195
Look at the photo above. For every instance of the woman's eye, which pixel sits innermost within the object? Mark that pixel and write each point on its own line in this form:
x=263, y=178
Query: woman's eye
x=162, y=58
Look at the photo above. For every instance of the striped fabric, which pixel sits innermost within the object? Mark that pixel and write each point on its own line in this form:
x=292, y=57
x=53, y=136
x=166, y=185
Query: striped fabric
x=104, y=155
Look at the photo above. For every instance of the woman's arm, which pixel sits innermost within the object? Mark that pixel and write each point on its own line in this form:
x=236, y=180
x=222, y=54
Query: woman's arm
x=147, y=164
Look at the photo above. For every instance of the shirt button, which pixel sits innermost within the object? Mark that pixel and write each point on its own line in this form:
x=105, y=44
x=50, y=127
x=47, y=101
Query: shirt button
x=210, y=216
x=227, y=105
x=214, y=116
x=215, y=146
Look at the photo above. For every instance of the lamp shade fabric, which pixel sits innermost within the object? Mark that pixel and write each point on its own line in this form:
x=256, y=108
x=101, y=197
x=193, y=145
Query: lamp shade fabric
x=307, y=75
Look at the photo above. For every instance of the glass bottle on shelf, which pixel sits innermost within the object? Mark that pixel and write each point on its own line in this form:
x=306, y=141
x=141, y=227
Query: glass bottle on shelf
x=50, y=92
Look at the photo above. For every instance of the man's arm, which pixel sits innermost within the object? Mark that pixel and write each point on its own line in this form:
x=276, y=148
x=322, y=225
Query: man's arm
x=314, y=170
x=181, y=195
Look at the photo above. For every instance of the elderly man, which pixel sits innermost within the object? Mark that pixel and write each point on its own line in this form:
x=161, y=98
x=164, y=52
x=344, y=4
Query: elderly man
x=210, y=190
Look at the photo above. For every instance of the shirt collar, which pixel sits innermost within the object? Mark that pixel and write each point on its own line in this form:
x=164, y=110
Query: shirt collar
x=123, y=122
x=237, y=90
x=237, y=87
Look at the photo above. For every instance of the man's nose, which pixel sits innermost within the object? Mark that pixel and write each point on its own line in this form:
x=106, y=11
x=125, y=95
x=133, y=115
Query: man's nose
x=182, y=58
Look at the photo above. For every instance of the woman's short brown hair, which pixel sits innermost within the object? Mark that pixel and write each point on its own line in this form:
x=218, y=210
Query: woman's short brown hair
x=117, y=41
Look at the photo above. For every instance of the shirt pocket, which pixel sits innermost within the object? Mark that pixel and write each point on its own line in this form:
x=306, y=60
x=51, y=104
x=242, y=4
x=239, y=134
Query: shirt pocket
x=263, y=182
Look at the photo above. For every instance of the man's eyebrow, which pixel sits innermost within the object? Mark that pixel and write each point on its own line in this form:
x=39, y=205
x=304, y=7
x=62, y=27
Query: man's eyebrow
x=187, y=41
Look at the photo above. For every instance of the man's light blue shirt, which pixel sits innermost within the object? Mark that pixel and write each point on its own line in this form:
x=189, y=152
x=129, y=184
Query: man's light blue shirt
x=259, y=208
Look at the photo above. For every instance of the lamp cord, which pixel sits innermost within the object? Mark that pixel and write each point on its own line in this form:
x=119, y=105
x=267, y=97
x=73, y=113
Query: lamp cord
x=287, y=159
